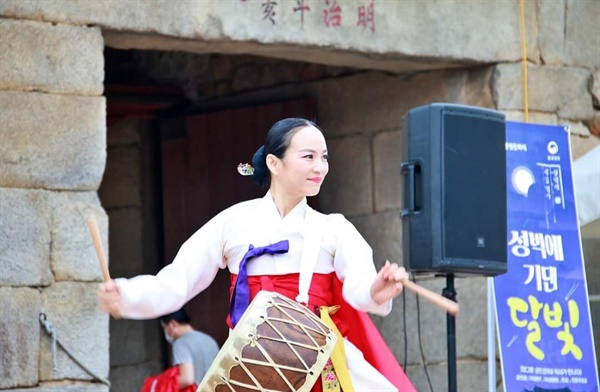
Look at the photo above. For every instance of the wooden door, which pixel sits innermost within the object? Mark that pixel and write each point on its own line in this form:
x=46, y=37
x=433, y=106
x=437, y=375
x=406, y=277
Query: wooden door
x=200, y=154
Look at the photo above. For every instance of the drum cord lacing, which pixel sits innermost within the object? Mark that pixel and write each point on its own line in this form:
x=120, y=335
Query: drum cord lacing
x=47, y=324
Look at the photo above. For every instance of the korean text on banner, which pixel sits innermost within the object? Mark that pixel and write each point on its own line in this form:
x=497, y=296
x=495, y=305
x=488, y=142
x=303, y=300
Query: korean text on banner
x=542, y=306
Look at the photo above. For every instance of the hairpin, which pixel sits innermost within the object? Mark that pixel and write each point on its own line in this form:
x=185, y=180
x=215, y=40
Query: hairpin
x=245, y=169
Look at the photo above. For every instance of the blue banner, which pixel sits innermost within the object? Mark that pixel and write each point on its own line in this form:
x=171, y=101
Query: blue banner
x=542, y=308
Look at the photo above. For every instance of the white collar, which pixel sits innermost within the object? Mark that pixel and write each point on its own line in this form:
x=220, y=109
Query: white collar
x=299, y=209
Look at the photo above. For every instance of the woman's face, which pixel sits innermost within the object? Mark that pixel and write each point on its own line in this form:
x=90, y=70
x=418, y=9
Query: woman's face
x=304, y=165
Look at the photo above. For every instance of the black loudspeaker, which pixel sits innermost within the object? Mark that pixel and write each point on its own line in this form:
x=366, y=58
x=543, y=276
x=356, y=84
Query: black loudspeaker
x=454, y=180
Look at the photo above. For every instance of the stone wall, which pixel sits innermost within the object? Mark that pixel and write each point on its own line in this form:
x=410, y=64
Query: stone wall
x=53, y=144
x=52, y=157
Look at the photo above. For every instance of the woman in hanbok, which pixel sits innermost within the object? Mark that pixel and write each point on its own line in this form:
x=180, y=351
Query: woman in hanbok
x=264, y=239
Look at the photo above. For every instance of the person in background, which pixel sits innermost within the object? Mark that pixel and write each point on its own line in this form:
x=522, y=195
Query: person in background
x=193, y=351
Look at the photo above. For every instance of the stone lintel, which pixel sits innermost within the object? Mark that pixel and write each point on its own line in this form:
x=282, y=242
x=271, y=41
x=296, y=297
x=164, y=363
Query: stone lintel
x=421, y=32
x=390, y=62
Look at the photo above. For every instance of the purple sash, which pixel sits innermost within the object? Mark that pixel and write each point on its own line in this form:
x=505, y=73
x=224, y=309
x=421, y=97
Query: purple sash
x=240, y=300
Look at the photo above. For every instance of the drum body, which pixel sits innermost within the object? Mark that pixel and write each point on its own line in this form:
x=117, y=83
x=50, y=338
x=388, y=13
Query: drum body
x=278, y=345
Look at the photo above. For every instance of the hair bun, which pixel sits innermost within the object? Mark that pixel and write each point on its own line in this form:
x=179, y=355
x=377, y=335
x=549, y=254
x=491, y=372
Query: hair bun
x=261, y=171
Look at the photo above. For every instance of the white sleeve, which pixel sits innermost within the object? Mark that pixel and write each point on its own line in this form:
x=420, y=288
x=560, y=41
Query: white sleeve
x=193, y=270
x=353, y=263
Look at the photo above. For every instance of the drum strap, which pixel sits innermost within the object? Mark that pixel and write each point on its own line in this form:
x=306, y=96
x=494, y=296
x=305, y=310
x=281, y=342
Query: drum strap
x=338, y=355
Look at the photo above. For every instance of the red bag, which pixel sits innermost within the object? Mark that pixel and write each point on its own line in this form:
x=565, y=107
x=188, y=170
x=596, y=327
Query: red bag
x=166, y=381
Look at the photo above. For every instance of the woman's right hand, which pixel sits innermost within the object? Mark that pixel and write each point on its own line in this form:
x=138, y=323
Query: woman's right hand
x=110, y=298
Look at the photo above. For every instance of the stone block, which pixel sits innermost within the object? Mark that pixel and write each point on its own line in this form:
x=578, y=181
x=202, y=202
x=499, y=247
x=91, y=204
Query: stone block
x=121, y=183
x=560, y=90
x=580, y=145
x=593, y=124
x=127, y=342
x=471, y=321
x=577, y=128
x=591, y=230
x=247, y=77
x=393, y=328
x=534, y=117
x=419, y=314
x=591, y=257
x=471, y=376
x=68, y=386
x=474, y=88
x=124, y=132
x=52, y=58
x=19, y=336
x=25, y=237
x=82, y=328
x=135, y=342
x=129, y=378
x=126, y=248
x=471, y=327
x=383, y=231
x=73, y=256
x=595, y=314
x=62, y=146
x=551, y=31
x=380, y=95
x=425, y=324
x=387, y=98
x=154, y=339
x=429, y=376
x=582, y=43
x=348, y=186
x=596, y=87
x=387, y=157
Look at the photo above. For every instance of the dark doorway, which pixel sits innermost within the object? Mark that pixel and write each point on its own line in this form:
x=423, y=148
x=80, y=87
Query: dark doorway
x=200, y=154
x=177, y=126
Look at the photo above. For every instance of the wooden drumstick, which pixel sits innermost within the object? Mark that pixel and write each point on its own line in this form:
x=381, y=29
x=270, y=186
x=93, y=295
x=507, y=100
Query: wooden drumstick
x=93, y=226
x=437, y=299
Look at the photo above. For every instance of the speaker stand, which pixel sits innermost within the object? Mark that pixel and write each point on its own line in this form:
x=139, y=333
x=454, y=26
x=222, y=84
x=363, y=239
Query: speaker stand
x=450, y=293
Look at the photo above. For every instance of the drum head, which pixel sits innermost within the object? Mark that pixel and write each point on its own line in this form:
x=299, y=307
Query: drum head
x=278, y=345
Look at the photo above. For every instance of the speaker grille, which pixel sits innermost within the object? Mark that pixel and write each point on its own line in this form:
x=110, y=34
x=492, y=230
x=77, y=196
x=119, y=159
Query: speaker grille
x=474, y=187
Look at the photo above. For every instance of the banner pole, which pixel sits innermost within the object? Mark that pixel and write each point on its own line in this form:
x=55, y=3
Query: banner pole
x=491, y=336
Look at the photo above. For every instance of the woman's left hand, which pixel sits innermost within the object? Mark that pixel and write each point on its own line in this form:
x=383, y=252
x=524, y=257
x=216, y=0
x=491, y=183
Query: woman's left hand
x=388, y=283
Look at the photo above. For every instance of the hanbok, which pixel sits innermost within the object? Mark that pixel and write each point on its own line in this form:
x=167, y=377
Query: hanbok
x=342, y=270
